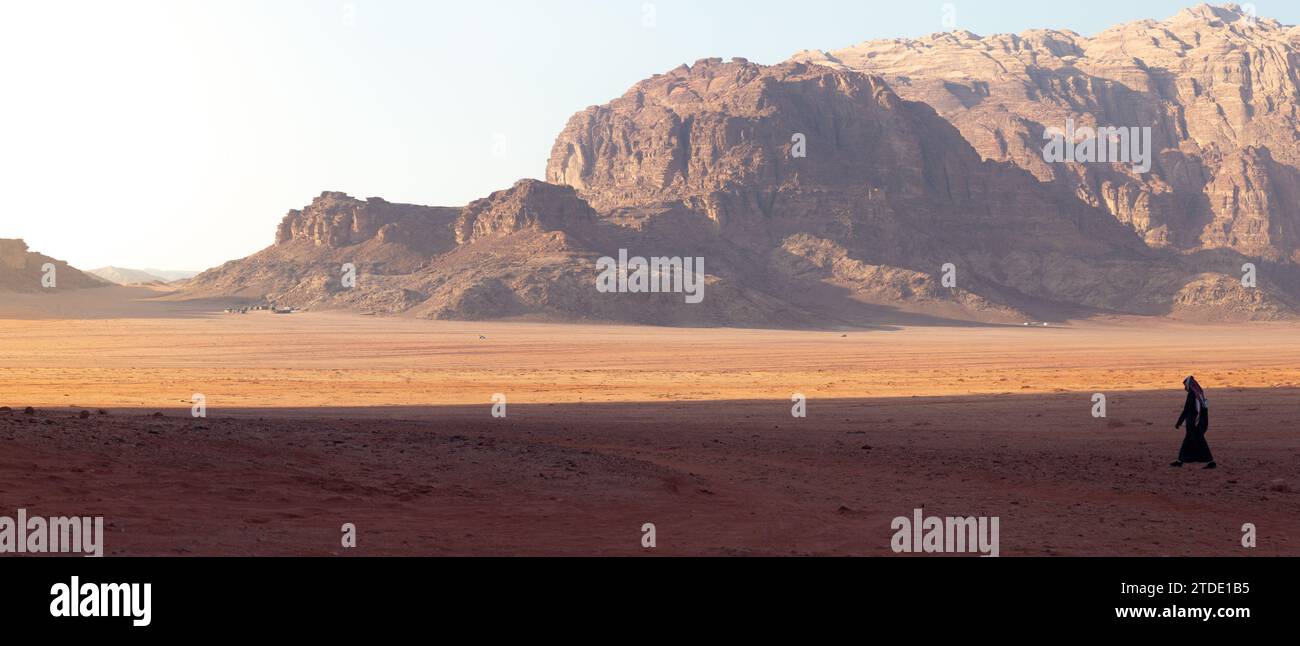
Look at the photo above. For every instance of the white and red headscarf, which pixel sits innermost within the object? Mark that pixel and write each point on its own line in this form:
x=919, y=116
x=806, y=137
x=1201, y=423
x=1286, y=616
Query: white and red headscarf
x=1195, y=388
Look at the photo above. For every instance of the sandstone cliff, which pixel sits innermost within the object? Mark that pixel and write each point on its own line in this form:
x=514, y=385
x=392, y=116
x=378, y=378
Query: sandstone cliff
x=890, y=183
x=1217, y=86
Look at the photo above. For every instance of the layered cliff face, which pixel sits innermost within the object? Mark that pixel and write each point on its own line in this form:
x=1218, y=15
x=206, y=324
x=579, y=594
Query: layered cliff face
x=530, y=204
x=336, y=221
x=22, y=271
x=886, y=182
x=1214, y=84
x=819, y=195
x=305, y=265
x=528, y=251
x=756, y=147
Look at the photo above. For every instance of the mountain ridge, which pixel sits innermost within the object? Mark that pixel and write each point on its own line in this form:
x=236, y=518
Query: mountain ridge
x=824, y=195
x=128, y=276
x=1217, y=86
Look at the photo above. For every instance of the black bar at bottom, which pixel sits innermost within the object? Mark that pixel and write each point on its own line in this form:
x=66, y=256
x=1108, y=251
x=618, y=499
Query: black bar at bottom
x=208, y=597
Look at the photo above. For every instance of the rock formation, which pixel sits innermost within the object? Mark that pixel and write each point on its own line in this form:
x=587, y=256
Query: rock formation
x=530, y=204
x=893, y=182
x=1217, y=86
x=22, y=270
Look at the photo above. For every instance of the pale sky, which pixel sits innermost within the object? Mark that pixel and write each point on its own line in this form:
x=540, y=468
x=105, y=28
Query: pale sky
x=175, y=134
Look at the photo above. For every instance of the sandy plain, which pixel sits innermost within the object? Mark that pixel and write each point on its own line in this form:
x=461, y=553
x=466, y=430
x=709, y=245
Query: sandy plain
x=319, y=419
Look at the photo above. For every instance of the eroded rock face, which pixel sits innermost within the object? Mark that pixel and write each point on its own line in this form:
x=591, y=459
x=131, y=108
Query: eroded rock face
x=821, y=196
x=21, y=270
x=1214, y=84
x=337, y=220
x=1249, y=187
x=719, y=136
x=1221, y=298
x=381, y=241
x=530, y=204
x=887, y=181
x=13, y=254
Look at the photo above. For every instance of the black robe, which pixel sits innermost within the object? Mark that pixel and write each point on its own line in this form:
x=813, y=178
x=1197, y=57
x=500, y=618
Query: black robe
x=1195, y=448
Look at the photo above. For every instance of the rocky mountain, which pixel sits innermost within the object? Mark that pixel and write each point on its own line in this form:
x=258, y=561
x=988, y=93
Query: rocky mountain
x=305, y=264
x=125, y=276
x=24, y=271
x=170, y=275
x=894, y=182
x=1217, y=86
x=528, y=251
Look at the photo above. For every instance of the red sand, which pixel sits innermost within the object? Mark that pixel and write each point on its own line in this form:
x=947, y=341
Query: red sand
x=715, y=478
x=610, y=428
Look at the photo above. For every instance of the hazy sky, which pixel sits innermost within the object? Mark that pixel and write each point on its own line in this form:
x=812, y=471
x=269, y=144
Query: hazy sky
x=175, y=134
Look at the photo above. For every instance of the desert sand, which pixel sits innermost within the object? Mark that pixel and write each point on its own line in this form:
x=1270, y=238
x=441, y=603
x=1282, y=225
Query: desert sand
x=320, y=419
x=311, y=360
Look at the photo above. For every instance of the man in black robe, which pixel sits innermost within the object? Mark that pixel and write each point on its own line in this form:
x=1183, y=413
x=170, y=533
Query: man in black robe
x=1196, y=414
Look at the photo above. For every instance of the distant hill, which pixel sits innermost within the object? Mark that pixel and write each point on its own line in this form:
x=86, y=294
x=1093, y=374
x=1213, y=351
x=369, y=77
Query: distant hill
x=22, y=270
x=124, y=276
